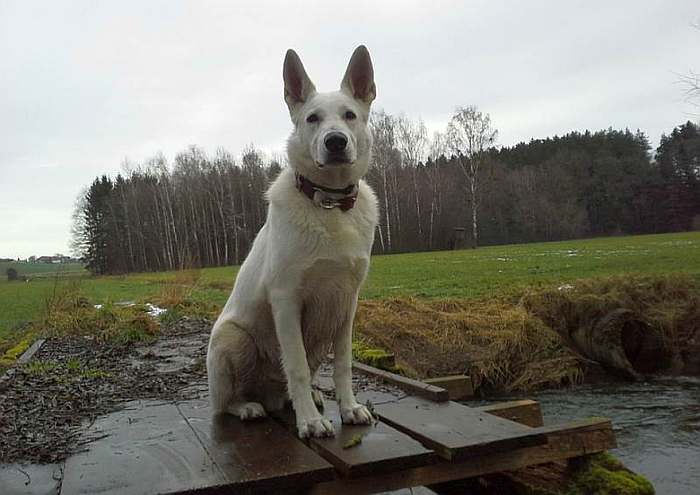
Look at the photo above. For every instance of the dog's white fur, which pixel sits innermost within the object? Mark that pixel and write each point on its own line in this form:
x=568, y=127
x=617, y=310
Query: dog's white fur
x=295, y=295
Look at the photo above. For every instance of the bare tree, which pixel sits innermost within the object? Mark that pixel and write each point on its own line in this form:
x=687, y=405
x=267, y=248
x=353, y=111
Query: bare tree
x=384, y=154
x=412, y=142
x=691, y=81
x=438, y=150
x=469, y=135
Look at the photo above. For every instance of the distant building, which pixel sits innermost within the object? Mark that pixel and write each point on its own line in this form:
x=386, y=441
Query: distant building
x=58, y=258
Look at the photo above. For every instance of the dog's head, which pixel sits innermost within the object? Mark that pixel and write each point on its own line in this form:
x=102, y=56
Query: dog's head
x=331, y=141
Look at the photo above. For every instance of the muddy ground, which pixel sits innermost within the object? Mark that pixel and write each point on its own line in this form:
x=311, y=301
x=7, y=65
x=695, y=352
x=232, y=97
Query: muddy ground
x=73, y=380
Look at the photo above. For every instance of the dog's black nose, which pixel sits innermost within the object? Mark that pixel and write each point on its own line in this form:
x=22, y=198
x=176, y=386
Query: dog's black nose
x=335, y=142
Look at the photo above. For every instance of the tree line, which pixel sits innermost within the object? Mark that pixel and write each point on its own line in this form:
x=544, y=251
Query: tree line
x=203, y=210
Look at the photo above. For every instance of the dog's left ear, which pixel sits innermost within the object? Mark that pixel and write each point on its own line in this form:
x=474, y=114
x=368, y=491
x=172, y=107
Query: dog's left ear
x=359, y=76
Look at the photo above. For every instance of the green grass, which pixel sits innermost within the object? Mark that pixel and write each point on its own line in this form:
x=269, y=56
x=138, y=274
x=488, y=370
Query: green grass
x=493, y=270
x=42, y=270
x=469, y=273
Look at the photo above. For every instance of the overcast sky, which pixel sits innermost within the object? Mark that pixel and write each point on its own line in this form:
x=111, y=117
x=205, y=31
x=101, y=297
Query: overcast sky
x=85, y=85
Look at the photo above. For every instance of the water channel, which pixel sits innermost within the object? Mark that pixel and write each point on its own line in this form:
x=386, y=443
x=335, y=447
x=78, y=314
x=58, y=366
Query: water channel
x=657, y=424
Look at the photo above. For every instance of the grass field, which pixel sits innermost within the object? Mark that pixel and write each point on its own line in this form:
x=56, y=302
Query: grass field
x=37, y=270
x=487, y=271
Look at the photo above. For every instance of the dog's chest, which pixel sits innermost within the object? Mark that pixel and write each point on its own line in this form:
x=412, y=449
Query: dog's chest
x=329, y=290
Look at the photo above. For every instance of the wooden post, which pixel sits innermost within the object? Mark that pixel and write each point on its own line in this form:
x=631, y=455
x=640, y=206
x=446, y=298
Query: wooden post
x=459, y=242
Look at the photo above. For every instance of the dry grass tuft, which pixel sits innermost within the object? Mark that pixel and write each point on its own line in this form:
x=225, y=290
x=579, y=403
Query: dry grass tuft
x=184, y=296
x=499, y=344
x=180, y=289
x=514, y=344
x=68, y=312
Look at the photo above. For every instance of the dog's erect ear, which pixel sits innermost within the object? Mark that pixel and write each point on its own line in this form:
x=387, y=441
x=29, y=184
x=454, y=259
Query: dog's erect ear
x=298, y=88
x=359, y=76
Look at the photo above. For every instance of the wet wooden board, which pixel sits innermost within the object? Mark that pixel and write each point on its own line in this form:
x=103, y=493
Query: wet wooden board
x=382, y=448
x=563, y=442
x=459, y=387
x=526, y=412
x=455, y=431
x=33, y=479
x=29, y=353
x=379, y=396
x=255, y=455
x=168, y=448
x=413, y=387
x=143, y=450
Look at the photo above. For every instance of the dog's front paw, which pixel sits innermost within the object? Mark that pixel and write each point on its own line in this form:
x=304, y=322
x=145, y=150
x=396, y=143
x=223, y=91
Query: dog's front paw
x=315, y=427
x=356, y=415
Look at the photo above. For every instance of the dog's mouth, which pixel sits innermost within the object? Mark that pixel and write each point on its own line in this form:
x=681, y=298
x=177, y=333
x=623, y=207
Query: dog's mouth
x=335, y=161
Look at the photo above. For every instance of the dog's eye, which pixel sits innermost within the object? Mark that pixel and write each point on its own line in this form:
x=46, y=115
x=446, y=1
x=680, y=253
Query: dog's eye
x=350, y=115
x=312, y=118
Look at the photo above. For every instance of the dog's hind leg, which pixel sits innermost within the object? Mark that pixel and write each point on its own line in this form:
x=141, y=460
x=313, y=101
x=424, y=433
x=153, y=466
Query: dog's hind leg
x=231, y=370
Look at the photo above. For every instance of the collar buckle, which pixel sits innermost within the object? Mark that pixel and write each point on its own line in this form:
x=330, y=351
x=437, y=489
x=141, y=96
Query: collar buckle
x=327, y=203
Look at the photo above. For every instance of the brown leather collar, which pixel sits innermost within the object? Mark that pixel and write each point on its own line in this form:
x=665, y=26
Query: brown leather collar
x=326, y=197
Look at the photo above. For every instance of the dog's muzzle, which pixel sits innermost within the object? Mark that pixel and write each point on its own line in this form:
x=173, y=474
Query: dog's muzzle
x=335, y=144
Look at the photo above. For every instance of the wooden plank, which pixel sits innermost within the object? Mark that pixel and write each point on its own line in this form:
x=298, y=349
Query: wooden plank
x=563, y=442
x=459, y=387
x=257, y=455
x=409, y=385
x=374, y=396
x=382, y=448
x=526, y=412
x=141, y=450
x=29, y=353
x=455, y=431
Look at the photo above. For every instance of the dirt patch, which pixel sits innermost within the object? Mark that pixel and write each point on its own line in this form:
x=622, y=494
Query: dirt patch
x=637, y=325
x=74, y=379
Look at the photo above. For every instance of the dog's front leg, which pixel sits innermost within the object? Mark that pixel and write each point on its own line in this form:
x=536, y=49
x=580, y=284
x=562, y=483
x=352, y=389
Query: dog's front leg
x=350, y=411
x=287, y=315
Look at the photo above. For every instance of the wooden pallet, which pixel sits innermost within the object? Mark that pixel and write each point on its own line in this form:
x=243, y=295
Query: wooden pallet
x=179, y=448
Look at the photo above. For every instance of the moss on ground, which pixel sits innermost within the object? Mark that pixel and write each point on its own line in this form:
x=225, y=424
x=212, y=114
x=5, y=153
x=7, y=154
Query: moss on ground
x=12, y=354
x=379, y=358
x=599, y=474
x=603, y=474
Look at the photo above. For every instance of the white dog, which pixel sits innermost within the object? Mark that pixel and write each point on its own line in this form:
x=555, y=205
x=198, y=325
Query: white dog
x=296, y=294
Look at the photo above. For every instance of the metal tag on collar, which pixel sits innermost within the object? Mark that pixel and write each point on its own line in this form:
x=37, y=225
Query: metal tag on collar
x=324, y=201
x=328, y=203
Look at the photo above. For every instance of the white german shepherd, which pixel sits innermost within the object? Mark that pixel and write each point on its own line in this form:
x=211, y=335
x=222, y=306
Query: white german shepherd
x=296, y=294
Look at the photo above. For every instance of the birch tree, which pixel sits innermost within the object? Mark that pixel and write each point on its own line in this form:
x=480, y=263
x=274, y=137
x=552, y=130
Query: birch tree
x=437, y=152
x=469, y=136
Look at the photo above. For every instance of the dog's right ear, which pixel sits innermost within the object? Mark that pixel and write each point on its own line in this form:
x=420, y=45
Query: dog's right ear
x=298, y=88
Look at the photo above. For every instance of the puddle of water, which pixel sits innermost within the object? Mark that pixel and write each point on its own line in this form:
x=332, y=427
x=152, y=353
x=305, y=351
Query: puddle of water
x=151, y=309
